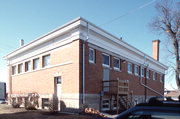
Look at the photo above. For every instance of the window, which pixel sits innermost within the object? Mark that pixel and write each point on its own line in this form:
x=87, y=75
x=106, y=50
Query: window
x=35, y=63
x=136, y=70
x=20, y=67
x=105, y=60
x=91, y=55
x=58, y=79
x=154, y=75
x=130, y=68
x=27, y=66
x=116, y=63
x=105, y=104
x=142, y=71
x=162, y=78
x=147, y=73
x=13, y=70
x=46, y=60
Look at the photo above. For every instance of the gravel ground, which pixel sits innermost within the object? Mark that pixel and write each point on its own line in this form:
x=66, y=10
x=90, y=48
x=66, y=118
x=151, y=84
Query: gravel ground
x=7, y=112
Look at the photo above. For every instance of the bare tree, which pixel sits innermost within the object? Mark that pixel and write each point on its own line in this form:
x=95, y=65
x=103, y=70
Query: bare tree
x=168, y=22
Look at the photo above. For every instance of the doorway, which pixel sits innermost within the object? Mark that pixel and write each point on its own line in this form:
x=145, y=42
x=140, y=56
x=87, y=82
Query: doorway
x=57, y=90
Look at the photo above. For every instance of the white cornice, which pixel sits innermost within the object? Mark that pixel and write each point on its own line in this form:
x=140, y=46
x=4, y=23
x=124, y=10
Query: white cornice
x=79, y=22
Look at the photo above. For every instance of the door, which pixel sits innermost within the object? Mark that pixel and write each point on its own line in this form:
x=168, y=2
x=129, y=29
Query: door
x=106, y=78
x=58, y=89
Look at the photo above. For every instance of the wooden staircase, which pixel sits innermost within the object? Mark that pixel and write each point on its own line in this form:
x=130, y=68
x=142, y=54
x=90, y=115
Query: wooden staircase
x=120, y=89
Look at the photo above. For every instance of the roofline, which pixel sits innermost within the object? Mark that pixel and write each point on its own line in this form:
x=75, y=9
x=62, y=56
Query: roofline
x=39, y=38
x=102, y=30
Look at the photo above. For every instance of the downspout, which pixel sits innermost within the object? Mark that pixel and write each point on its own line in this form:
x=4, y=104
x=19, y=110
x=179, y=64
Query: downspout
x=141, y=82
x=83, y=75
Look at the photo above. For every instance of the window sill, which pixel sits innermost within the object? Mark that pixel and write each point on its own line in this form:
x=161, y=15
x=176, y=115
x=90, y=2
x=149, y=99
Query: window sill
x=106, y=66
x=91, y=62
x=129, y=72
x=136, y=74
x=116, y=69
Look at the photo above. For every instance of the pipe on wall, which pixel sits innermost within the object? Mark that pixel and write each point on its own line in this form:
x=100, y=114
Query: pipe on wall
x=141, y=82
x=83, y=75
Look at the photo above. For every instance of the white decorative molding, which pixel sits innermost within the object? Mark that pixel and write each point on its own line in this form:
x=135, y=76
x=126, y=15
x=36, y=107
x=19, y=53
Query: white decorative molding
x=77, y=29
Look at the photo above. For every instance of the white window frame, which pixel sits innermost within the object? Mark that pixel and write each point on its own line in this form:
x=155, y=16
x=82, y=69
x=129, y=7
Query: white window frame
x=154, y=76
x=136, y=72
x=93, y=57
x=147, y=72
x=107, y=104
x=14, y=70
x=20, y=68
x=142, y=71
x=128, y=68
x=38, y=65
x=106, y=65
x=117, y=68
x=27, y=66
x=43, y=61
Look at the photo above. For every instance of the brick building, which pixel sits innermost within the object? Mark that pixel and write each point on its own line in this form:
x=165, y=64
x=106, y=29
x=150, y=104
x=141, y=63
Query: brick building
x=81, y=63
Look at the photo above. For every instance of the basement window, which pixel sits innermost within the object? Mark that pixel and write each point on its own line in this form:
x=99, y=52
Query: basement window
x=105, y=104
x=27, y=66
x=20, y=67
x=116, y=63
x=13, y=70
x=105, y=60
x=130, y=68
x=91, y=55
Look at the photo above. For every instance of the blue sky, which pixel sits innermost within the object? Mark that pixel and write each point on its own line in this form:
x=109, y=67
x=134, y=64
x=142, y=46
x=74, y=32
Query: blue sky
x=29, y=19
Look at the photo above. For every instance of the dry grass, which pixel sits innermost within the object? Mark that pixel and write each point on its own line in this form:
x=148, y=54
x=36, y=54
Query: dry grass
x=7, y=112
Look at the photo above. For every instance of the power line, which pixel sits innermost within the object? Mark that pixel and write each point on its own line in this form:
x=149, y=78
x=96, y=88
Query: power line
x=129, y=12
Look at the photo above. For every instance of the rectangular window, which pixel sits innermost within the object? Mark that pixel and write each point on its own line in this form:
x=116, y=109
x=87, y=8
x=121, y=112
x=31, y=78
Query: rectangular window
x=91, y=55
x=147, y=73
x=142, y=71
x=46, y=60
x=20, y=68
x=105, y=104
x=105, y=60
x=130, y=68
x=136, y=70
x=162, y=78
x=58, y=79
x=154, y=75
x=13, y=70
x=35, y=64
x=27, y=66
x=117, y=64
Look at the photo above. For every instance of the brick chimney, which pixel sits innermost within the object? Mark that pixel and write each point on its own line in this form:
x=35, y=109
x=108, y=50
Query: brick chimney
x=155, y=49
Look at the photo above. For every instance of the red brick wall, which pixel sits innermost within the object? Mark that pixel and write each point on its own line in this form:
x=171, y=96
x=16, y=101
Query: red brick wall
x=42, y=81
x=94, y=77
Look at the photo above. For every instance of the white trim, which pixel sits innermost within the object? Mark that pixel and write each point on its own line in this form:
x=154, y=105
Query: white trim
x=104, y=40
x=52, y=66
